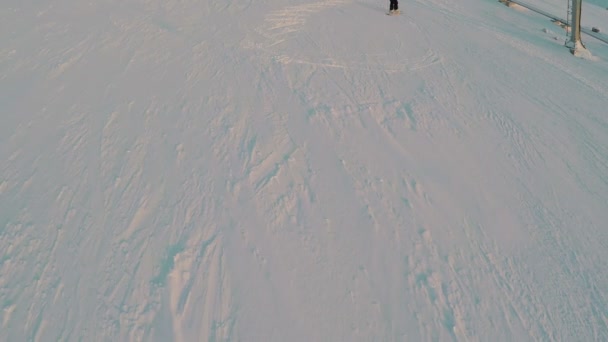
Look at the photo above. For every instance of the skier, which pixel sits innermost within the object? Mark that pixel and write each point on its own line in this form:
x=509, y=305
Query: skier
x=394, y=9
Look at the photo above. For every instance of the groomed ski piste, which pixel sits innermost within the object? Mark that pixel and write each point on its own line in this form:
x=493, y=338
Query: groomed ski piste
x=223, y=170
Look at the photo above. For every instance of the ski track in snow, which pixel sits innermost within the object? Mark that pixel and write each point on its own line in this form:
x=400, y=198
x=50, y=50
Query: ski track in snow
x=168, y=176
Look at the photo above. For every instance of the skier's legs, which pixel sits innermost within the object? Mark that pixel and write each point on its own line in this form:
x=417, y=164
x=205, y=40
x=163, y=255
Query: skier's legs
x=394, y=5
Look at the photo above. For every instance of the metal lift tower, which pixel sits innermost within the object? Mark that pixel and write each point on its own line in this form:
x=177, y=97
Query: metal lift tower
x=574, y=43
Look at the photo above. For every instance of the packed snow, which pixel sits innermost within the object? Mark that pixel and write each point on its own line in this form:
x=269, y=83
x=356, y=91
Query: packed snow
x=219, y=170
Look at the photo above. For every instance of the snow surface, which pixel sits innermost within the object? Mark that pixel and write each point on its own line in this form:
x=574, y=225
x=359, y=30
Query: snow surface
x=300, y=171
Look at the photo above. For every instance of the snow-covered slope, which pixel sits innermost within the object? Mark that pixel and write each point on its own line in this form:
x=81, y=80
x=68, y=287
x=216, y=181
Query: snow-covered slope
x=299, y=171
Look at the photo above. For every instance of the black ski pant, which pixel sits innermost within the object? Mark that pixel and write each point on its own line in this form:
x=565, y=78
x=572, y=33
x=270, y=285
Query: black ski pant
x=394, y=5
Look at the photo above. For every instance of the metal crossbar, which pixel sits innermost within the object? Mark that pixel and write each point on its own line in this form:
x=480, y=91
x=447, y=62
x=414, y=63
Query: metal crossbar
x=601, y=37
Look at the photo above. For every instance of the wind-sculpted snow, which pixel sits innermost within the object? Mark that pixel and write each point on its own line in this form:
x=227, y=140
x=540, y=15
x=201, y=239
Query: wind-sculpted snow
x=300, y=171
